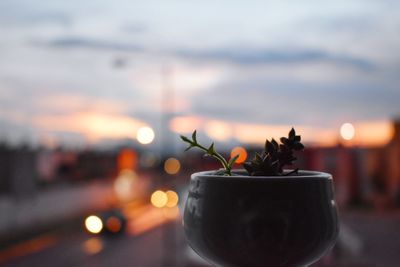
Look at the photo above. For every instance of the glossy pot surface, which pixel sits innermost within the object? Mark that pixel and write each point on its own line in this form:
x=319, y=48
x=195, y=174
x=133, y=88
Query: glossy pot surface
x=243, y=221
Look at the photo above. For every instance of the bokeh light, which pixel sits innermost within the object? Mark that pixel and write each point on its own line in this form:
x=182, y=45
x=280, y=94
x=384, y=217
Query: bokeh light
x=172, y=166
x=173, y=199
x=145, y=135
x=113, y=224
x=124, y=184
x=347, y=131
x=149, y=159
x=241, y=152
x=171, y=213
x=93, y=224
x=159, y=199
x=127, y=159
x=93, y=245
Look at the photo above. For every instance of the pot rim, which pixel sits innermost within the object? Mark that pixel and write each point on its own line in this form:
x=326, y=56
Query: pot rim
x=302, y=174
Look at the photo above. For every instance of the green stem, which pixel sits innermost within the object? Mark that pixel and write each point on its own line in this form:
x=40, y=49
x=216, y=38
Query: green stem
x=217, y=156
x=209, y=151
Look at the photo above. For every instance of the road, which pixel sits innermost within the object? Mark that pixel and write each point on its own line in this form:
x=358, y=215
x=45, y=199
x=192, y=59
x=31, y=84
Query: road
x=152, y=239
x=81, y=250
x=161, y=245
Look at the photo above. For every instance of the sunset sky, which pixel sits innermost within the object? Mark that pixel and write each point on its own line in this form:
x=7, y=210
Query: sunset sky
x=81, y=71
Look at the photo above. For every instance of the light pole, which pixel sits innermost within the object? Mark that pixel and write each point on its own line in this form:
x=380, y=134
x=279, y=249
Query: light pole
x=167, y=108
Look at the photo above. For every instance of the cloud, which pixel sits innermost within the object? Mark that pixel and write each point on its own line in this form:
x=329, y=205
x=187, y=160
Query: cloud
x=58, y=18
x=338, y=24
x=134, y=27
x=249, y=56
x=294, y=102
x=26, y=13
x=242, y=56
x=88, y=43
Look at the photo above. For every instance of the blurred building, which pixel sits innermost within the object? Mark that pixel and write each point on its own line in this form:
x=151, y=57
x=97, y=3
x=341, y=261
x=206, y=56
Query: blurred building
x=391, y=165
x=18, y=172
x=34, y=183
x=363, y=175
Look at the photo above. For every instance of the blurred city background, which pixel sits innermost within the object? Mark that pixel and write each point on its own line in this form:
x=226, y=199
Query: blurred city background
x=94, y=95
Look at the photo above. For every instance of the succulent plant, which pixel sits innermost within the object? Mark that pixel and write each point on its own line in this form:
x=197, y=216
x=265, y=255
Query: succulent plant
x=211, y=151
x=268, y=163
x=275, y=156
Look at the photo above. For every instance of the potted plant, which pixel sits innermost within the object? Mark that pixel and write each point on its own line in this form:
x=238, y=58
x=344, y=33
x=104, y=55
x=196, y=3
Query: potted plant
x=262, y=215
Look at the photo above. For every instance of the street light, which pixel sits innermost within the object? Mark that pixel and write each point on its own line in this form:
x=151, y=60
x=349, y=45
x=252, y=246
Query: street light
x=94, y=224
x=172, y=166
x=347, y=131
x=145, y=135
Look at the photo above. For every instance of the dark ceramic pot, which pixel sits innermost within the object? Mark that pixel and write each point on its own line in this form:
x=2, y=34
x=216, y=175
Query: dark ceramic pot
x=243, y=221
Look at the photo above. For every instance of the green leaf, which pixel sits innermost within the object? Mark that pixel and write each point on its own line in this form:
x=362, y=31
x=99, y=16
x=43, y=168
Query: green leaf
x=185, y=139
x=268, y=146
x=248, y=167
x=275, y=156
x=292, y=133
x=298, y=146
x=274, y=143
x=189, y=147
x=271, y=147
x=233, y=160
x=258, y=158
x=284, y=140
x=194, y=136
x=211, y=149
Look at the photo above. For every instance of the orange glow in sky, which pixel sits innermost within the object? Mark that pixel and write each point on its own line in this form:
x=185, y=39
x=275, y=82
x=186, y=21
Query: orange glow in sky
x=185, y=124
x=92, y=125
x=95, y=126
x=369, y=133
x=218, y=130
x=373, y=133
